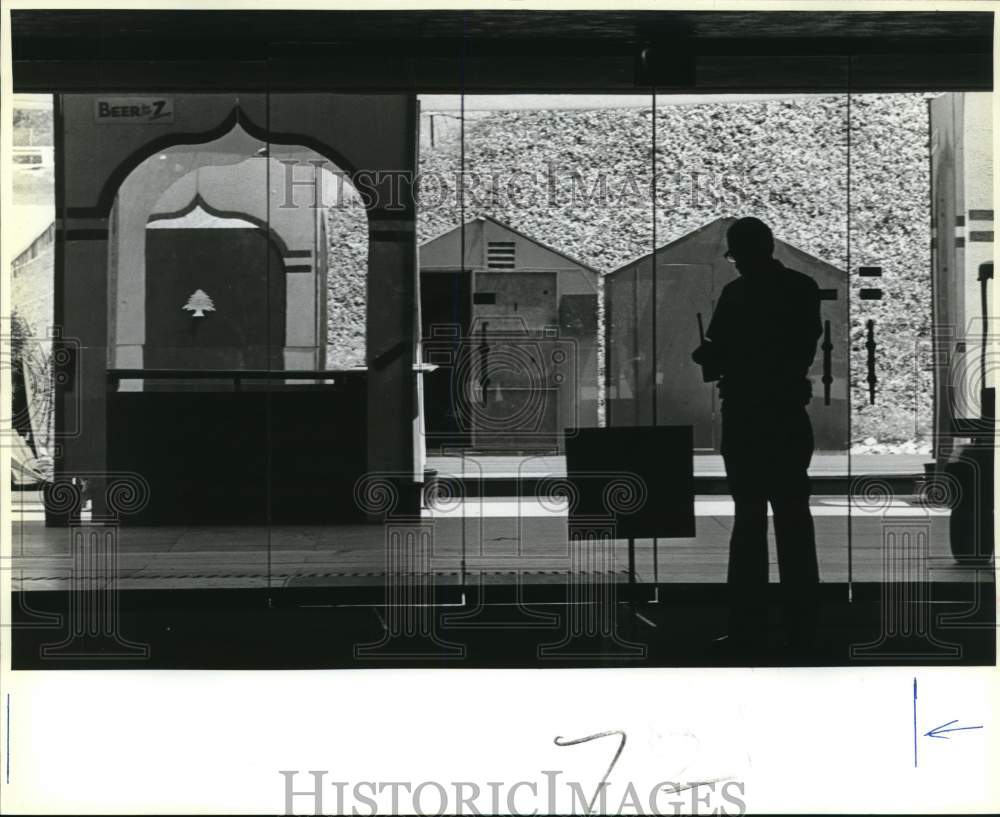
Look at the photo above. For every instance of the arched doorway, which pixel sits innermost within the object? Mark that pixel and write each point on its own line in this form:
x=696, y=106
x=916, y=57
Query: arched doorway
x=278, y=229
x=226, y=392
x=225, y=275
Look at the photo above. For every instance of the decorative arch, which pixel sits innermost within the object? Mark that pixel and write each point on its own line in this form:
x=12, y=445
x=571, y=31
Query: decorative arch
x=157, y=220
x=236, y=118
x=324, y=255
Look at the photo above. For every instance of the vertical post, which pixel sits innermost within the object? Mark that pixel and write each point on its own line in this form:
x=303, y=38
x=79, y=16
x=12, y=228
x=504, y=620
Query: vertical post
x=391, y=325
x=83, y=398
x=654, y=306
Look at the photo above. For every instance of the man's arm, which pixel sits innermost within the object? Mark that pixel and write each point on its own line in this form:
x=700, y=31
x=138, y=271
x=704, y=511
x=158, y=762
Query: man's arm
x=812, y=323
x=718, y=327
x=711, y=353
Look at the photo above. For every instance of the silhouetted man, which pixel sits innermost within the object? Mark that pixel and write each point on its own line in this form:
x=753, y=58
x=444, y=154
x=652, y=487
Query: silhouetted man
x=761, y=341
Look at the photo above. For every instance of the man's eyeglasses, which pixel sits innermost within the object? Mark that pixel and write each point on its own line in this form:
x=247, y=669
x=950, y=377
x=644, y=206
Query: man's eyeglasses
x=729, y=257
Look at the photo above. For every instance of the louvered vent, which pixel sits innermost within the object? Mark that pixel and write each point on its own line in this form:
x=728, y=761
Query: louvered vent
x=500, y=255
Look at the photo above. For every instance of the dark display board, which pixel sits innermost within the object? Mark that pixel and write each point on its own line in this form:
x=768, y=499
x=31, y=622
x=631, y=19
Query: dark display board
x=286, y=455
x=640, y=477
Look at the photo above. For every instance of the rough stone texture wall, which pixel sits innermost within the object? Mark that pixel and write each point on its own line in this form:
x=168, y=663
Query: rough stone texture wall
x=786, y=161
x=890, y=227
x=347, y=279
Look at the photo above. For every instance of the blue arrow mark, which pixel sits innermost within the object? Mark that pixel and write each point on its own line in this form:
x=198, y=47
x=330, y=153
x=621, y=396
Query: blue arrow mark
x=939, y=731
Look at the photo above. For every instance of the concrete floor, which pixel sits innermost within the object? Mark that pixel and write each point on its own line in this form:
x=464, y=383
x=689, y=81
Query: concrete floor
x=493, y=540
x=824, y=464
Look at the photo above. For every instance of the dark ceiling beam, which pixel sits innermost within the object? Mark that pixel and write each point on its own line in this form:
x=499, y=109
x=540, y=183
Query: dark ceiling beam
x=501, y=52
x=433, y=26
x=866, y=73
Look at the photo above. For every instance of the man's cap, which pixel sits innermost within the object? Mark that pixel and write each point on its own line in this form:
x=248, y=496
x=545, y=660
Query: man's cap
x=749, y=234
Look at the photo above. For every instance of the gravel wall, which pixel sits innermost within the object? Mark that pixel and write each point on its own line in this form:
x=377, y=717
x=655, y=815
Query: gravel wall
x=581, y=180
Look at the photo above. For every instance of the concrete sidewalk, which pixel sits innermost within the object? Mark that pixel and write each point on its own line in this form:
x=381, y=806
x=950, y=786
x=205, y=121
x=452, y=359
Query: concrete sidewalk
x=500, y=540
x=824, y=464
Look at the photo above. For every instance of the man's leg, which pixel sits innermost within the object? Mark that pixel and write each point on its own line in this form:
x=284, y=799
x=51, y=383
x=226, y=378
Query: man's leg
x=748, y=568
x=748, y=571
x=794, y=531
x=795, y=536
x=796, y=542
x=748, y=543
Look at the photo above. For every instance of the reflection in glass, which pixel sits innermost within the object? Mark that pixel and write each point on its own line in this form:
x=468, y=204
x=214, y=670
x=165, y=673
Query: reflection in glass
x=31, y=225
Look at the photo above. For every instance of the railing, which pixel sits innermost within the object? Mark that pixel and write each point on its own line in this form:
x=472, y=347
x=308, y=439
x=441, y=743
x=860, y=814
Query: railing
x=237, y=376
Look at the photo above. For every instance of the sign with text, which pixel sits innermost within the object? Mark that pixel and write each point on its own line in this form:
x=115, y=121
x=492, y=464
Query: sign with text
x=133, y=110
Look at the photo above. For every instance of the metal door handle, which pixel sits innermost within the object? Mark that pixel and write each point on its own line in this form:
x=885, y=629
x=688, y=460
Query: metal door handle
x=870, y=346
x=827, y=348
